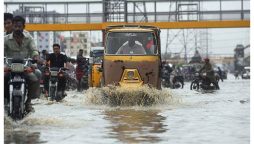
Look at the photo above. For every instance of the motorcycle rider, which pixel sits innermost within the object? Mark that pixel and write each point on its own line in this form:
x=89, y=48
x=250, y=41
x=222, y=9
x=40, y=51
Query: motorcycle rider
x=220, y=73
x=177, y=76
x=56, y=59
x=8, y=23
x=208, y=69
x=20, y=44
x=166, y=71
x=36, y=65
x=44, y=55
x=81, y=68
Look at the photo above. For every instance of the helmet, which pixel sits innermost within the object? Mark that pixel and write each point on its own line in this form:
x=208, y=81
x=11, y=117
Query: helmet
x=35, y=53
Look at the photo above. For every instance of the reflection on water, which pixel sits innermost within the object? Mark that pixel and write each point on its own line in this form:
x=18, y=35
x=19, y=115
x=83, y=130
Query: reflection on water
x=135, y=126
x=14, y=132
x=21, y=137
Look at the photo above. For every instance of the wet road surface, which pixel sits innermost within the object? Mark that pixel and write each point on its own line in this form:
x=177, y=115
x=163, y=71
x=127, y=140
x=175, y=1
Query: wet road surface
x=187, y=116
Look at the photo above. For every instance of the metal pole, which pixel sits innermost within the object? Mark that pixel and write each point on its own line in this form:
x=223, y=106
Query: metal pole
x=134, y=11
x=125, y=11
x=196, y=45
x=67, y=7
x=155, y=12
x=46, y=13
x=176, y=19
x=242, y=15
x=220, y=11
x=104, y=10
x=185, y=47
x=207, y=43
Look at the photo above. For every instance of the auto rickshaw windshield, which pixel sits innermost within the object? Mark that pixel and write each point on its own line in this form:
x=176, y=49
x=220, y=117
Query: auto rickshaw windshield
x=131, y=43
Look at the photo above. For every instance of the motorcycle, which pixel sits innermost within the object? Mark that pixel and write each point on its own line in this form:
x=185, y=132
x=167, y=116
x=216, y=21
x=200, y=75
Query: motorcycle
x=201, y=81
x=84, y=81
x=82, y=78
x=165, y=81
x=71, y=83
x=177, y=82
x=56, y=75
x=16, y=70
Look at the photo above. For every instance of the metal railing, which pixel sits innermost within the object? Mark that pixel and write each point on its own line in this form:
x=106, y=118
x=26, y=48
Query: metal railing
x=133, y=11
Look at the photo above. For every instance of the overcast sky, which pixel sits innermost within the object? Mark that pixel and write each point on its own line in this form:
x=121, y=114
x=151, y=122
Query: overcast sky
x=220, y=41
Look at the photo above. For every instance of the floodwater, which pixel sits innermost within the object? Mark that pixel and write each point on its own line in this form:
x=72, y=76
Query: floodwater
x=182, y=116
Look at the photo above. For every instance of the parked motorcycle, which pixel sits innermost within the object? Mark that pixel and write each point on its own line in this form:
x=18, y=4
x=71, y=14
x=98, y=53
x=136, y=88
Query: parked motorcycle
x=201, y=81
x=16, y=70
x=56, y=86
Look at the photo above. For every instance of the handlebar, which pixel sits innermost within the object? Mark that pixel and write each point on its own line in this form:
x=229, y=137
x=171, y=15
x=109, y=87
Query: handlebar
x=9, y=61
x=58, y=69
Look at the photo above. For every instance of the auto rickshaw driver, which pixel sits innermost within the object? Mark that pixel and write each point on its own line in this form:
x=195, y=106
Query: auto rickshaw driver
x=131, y=47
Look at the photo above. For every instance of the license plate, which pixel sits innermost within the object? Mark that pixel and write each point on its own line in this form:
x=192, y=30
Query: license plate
x=17, y=67
x=54, y=73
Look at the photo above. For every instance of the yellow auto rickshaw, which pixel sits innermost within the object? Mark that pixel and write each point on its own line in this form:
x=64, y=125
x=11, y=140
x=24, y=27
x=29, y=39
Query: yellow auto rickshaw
x=132, y=56
x=96, y=55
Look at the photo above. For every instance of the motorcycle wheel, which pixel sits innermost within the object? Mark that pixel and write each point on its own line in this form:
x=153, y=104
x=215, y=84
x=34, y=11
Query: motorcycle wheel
x=16, y=111
x=177, y=85
x=52, y=92
x=59, y=96
x=194, y=86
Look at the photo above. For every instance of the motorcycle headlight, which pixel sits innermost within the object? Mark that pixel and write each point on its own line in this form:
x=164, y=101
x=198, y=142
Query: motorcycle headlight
x=61, y=75
x=54, y=73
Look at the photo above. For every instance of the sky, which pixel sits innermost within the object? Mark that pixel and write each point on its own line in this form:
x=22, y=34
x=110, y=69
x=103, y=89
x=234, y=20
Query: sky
x=220, y=41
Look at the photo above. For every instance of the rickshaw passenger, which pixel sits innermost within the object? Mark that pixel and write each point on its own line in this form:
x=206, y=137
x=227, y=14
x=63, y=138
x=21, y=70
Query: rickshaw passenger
x=131, y=47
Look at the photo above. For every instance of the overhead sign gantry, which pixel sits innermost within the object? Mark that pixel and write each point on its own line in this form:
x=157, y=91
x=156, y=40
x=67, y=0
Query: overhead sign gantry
x=165, y=14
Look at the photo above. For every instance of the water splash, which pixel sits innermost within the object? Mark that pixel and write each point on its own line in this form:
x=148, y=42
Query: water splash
x=121, y=96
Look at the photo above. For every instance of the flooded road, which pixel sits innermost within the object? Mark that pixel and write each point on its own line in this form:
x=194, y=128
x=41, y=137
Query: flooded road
x=186, y=116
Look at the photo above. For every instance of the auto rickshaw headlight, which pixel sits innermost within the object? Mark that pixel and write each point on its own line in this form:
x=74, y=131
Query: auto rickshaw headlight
x=130, y=75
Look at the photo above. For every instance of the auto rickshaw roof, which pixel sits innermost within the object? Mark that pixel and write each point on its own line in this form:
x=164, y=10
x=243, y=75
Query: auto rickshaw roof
x=132, y=28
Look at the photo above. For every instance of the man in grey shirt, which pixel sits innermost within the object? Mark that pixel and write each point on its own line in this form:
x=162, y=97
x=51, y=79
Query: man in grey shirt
x=131, y=47
x=19, y=44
